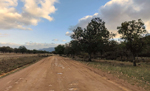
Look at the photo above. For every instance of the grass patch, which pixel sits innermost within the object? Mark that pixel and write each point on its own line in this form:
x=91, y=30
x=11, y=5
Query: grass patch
x=14, y=63
x=139, y=75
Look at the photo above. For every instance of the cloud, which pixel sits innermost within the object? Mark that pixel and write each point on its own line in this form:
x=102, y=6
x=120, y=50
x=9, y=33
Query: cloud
x=84, y=21
x=32, y=12
x=3, y=35
x=115, y=12
x=30, y=45
x=63, y=40
x=68, y=34
x=55, y=40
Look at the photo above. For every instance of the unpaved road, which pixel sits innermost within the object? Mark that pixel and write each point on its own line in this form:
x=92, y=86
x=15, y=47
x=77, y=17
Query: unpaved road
x=57, y=74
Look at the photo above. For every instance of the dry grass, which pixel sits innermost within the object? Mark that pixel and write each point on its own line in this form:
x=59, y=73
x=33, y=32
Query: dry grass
x=143, y=59
x=139, y=75
x=9, y=62
x=7, y=56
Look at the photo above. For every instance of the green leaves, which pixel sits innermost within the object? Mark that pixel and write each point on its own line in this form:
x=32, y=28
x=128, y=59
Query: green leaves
x=60, y=49
x=132, y=29
x=132, y=32
x=22, y=49
x=93, y=37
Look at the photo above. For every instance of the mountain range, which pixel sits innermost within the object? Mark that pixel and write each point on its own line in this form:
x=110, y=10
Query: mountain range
x=50, y=49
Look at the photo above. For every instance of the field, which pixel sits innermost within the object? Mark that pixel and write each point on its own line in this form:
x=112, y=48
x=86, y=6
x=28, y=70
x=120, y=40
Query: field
x=12, y=61
x=138, y=76
x=7, y=56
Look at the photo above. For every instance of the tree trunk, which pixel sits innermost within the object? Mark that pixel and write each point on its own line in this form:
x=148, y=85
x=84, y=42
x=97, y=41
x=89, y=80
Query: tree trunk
x=134, y=61
x=72, y=55
x=89, y=57
x=121, y=57
x=101, y=54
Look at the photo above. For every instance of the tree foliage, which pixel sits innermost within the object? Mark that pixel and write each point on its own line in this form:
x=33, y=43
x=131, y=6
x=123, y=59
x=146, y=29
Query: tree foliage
x=72, y=48
x=92, y=37
x=132, y=32
x=22, y=49
x=96, y=41
x=60, y=49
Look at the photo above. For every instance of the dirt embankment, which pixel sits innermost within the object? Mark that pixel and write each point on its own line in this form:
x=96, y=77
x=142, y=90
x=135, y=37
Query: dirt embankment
x=58, y=74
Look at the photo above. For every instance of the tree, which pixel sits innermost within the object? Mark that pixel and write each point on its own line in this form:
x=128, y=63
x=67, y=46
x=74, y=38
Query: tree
x=111, y=50
x=60, y=49
x=10, y=49
x=75, y=47
x=6, y=49
x=67, y=50
x=16, y=50
x=34, y=51
x=22, y=49
x=132, y=32
x=72, y=48
x=93, y=35
x=29, y=51
x=121, y=51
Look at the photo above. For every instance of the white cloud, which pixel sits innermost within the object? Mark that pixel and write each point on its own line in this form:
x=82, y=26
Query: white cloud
x=55, y=40
x=32, y=7
x=30, y=45
x=63, y=40
x=32, y=12
x=115, y=12
x=88, y=17
x=68, y=33
x=84, y=21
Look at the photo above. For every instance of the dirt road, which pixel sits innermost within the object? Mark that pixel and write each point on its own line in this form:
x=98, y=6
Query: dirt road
x=57, y=74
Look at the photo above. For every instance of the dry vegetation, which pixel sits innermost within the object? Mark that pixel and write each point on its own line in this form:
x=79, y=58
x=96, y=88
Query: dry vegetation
x=138, y=76
x=7, y=56
x=11, y=61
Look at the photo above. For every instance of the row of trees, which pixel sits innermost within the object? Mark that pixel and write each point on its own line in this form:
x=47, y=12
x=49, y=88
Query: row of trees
x=95, y=39
x=21, y=49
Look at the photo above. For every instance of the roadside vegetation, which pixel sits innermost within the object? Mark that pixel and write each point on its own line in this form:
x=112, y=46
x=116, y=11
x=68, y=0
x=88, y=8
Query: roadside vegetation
x=96, y=41
x=12, y=63
x=138, y=76
x=127, y=57
x=14, y=58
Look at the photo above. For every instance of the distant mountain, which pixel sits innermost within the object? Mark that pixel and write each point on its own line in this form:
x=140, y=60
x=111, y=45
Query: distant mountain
x=50, y=49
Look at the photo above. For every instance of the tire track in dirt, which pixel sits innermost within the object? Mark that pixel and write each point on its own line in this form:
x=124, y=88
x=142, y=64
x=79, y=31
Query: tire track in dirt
x=98, y=83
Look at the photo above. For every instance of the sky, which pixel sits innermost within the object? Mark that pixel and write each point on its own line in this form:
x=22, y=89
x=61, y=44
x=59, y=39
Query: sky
x=39, y=24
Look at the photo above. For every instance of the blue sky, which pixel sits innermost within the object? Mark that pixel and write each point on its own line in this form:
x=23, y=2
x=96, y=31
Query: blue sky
x=46, y=23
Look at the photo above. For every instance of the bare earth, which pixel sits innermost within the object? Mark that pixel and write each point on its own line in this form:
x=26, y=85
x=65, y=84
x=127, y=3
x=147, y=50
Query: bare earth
x=57, y=74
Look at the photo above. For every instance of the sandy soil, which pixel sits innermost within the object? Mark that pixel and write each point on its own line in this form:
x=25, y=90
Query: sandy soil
x=58, y=74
